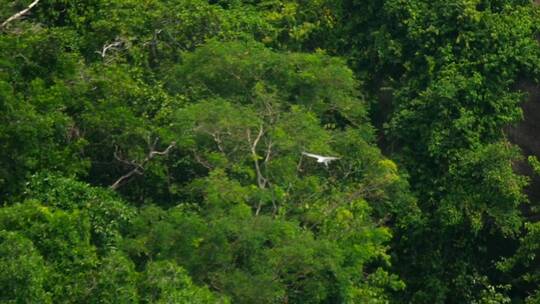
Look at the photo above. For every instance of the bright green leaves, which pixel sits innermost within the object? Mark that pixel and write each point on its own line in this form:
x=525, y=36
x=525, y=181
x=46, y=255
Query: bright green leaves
x=239, y=254
x=24, y=272
x=488, y=171
x=216, y=125
x=166, y=282
x=462, y=113
x=211, y=125
x=300, y=130
x=115, y=281
x=107, y=213
x=269, y=215
x=246, y=72
x=254, y=112
x=522, y=265
x=534, y=163
x=71, y=249
x=63, y=240
x=452, y=116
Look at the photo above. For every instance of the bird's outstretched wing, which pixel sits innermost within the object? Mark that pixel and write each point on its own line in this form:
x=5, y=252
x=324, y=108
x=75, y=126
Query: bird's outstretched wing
x=312, y=155
x=320, y=158
x=330, y=157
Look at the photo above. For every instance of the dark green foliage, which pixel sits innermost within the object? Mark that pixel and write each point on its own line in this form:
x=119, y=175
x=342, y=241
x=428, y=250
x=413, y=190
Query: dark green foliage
x=151, y=152
x=451, y=68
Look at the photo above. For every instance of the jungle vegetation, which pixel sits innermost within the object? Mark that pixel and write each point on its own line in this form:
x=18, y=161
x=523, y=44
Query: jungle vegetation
x=151, y=151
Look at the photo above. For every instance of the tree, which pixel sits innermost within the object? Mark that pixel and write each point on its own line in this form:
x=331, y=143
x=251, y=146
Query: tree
x=166, y=282
x=153, y=151
x=246, y=123
x=450, y=68
x=23, y=270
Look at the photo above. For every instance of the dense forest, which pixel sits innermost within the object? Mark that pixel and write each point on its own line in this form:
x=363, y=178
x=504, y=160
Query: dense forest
x=158, y=151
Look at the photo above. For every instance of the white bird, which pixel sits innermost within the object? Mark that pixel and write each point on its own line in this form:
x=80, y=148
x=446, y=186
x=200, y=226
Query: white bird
x=321, y=159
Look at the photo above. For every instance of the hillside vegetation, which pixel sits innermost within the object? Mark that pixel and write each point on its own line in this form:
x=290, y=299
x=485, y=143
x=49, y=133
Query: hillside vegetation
x=152, y=151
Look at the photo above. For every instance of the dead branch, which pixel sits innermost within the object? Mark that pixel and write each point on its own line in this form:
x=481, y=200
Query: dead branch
x=299, y=166
x=349, y=171
x=161, y=153
x=201, y=161
x=261, y=180
x=19, y=14
x=268, y=152
x=124, y=177
x=218, y=141
x=266, y=161
x=138, y=167
x=111, y=46
x=117, y=156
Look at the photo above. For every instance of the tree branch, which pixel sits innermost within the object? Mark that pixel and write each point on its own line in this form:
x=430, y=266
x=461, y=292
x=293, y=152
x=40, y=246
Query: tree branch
x=111, y=46
x=299, y=166
x=201, y=161
x=161, y=153
x=120, y=159
x=268, y=152
x=138, y=168
x=261, y=181
x=124, y=177
x=218, y=141
x=19, y=14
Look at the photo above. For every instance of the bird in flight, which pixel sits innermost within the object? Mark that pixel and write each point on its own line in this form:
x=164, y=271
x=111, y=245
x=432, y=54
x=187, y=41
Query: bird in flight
x=321, y=159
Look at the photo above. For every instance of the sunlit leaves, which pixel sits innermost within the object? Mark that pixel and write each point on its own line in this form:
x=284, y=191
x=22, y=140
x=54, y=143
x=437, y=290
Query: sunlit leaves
x=23, y=270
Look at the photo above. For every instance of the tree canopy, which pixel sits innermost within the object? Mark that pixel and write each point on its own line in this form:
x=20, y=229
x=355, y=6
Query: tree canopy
x=152, y=151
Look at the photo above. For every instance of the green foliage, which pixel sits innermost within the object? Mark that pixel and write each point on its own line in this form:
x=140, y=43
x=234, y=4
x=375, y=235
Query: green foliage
x=35, y=134
x=64, y=250
x=523, y=264
x=23, y=270
x=116, y=281
x=450, y=68
x=108, y=214
x=256, y=132
x=262, y=259
x=534, y=163
x=62, y=238
x=166, y=282
x=151, y=151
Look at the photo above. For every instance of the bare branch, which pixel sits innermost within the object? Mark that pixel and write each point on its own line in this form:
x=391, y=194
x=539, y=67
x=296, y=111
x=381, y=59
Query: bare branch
x=161, y=153
x=349, y=171
x=218, y=141
x=117, y=156
x=124, y=177
x=111, y=46
x=268, y=152
x=138, y=168
x=261, y=181
x=261, y=131
x=151, y=144
x=366, y=191
x=19, y=14
x=299, y=166
x=201, y=161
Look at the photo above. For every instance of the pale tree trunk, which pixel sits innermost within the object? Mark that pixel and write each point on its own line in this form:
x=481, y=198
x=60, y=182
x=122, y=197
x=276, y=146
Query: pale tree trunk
x=19, y=14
